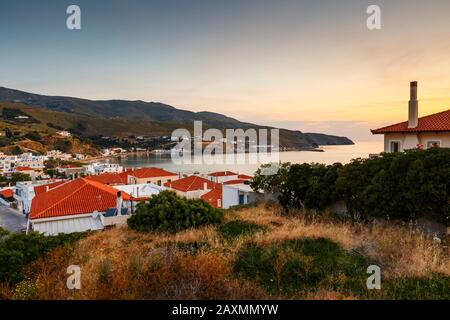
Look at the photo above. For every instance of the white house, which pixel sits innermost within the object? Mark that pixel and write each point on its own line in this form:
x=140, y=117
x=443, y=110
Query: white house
x=238, y=194
x=64, y=134
x=144, y=190
x=99, y=168
x=25, y=191
x=192, y=187
x=222, y=176
x=423, y=133
x=77, y=206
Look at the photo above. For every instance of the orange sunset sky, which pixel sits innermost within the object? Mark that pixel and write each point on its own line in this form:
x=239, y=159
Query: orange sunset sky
x=306, y=65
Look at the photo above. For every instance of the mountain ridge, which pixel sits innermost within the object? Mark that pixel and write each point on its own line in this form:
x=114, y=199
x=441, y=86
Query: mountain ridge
x=139, y=116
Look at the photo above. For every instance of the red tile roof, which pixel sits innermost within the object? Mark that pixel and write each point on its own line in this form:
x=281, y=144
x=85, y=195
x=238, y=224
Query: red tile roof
x=213, y=196
x=111, y=178
x=222, y=174
x=7, y=193
x=75, y=197
x=245, y=177
x=236, y=181
x=23, y=169
x=41, y=189
x=190, y=183
x=151, y=173
x=432, y=123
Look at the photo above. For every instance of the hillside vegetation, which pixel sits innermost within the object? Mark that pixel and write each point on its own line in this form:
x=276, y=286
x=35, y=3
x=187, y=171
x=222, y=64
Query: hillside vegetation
x=35, y=131
x=255, y=253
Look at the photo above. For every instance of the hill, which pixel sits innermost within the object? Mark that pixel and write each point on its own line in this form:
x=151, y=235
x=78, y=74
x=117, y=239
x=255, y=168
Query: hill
x=256, y=253
x=121, y=118
x=32, y=130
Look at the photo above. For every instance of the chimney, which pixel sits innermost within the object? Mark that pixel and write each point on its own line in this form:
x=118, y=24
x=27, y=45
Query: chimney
x=413, y=109
x=205, y=186
x=119, y=203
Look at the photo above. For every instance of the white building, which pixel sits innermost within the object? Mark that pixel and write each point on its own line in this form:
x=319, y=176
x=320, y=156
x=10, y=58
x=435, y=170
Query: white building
x=56, y=154
x=222, y=176
x=64, y=134
x=144, y=190
x=238, y=194
x=99, y=168
x=417, y=133
x=77, y=206
x=7, y=163
x=25, y=192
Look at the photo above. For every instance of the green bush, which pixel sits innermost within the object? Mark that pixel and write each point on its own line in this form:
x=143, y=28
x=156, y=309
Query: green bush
x=168, y=212
x=19, y=249
x=237, y=228
x=405, y=185
x=303, y=265
x=34, y=136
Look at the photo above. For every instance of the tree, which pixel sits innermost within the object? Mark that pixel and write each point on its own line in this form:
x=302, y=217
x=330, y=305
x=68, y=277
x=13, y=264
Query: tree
x=16, y=150
x=34, y=136
x=169, y=212
x=8, y=133
x=18, y=176
x=63, y=145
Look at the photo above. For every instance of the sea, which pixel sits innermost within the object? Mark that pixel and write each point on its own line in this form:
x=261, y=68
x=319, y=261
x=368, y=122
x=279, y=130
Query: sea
x=249, y=163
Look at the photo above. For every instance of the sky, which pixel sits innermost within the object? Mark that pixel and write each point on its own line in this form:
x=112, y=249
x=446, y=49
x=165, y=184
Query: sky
x=309, y=65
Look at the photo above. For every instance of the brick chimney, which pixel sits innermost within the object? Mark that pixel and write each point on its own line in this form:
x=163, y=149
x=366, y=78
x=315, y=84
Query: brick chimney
x=413, y=109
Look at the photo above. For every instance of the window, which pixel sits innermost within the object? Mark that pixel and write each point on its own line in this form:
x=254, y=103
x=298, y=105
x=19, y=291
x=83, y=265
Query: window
x=395, y=146
x=241, y=199
x=159, y=183
x=433, y=144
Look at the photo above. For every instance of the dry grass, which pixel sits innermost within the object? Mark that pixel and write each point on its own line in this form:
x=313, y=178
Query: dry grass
x=123, y=264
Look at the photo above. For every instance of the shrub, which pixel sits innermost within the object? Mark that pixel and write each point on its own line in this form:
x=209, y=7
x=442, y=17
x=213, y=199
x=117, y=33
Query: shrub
x=168, y=212
x=406, y=185
x=104, y=271
x=63, y=146
x=34, y=136
x=237, y=228
x=302, y=265
x=433, y=287
x=192, y=247
x=18, y=249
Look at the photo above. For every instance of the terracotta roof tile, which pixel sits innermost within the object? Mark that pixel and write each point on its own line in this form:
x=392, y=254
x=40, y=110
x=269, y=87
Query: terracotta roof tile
x=213, y=196
x=23, y=169
x=245, y=177
x=190, y=183
x=431, y=123
x=151, y=173
x=222, y=174
x=111, y=178
x=75, y=197
x=43, y=188
x=7, y=193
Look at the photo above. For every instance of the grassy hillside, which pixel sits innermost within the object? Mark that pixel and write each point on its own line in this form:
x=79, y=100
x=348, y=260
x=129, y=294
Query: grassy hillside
x=256, y=253
x=39, y=121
